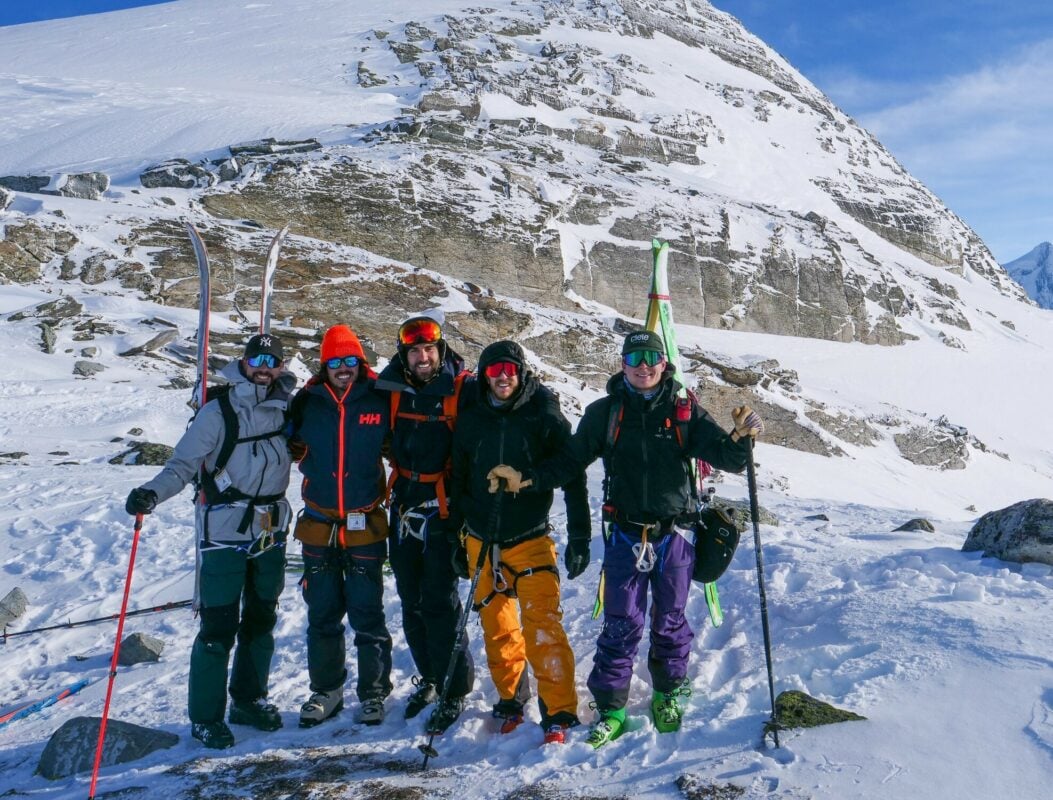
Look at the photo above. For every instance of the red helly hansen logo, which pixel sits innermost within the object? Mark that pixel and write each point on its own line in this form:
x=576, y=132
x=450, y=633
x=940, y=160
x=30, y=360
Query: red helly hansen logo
x=369, y=419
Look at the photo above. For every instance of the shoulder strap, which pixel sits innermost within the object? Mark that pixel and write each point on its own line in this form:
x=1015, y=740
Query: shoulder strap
x=230, y=432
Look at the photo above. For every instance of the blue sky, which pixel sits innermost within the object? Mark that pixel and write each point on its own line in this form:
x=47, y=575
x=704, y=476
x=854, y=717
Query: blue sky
x=958, y=90
x=961, y=92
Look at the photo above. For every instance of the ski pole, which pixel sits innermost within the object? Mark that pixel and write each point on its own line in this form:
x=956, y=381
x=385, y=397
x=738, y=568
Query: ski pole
x=116, y=653
x=751, y=476
x=492, y=523
x=134, y=613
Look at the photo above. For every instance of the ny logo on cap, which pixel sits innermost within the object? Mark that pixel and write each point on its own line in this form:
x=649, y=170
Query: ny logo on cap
x=265, y=341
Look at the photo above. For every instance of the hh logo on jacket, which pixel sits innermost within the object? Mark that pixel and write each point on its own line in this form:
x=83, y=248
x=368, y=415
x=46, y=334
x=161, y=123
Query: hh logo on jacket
x=369, y=419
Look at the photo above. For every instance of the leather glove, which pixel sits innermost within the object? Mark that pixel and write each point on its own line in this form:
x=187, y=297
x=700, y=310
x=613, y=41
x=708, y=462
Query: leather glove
x=459, y=560
x=297, y=449
x=513, y=479
x=576, y=559
x=747, y=423
x=140, y=501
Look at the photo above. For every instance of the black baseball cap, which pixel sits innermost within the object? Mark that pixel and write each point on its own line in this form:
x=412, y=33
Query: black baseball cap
x=642, y=340
x=265, y=343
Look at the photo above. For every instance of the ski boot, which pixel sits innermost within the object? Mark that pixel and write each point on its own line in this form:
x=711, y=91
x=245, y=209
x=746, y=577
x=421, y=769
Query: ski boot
x=510, y=714
x=556, y=727
x=372, y=711
x=258, y=714
x=607, y=728
x=214, y=735
x=321, y=707
x=422, y=698
x=444, y=715
x=666, y=710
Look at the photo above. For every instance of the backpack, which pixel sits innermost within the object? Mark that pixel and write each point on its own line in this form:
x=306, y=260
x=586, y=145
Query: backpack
x=450, y=404
x=206, y=479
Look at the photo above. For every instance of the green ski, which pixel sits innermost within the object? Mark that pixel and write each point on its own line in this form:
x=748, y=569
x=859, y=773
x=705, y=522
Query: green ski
x=659, y=319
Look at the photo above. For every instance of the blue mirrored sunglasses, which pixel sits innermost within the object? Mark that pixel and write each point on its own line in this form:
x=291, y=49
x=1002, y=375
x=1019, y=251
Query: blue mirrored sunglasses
x=347, y=361
x=651, y=357
x=263, y=360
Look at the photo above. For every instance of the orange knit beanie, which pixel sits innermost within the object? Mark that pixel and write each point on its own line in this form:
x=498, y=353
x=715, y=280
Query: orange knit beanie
x=340, y=341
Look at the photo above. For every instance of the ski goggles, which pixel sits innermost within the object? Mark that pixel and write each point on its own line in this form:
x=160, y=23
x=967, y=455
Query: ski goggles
x=499, y=368
x=347, y=361
x=419, y=331
x=637, y=357
x=263, y=360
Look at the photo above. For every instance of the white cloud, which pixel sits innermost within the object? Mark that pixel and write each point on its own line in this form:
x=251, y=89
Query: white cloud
x=981, y=141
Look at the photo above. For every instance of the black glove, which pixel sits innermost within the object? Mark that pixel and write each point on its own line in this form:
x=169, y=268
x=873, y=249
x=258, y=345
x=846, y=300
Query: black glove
x=576, y=559
x=459, y=559
x=140, y=501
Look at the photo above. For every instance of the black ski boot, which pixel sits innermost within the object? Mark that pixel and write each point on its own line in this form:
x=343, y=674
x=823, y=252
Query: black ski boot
x=445, y=714
x=214, y=735
x=422, y=698
x=510, y=714
x=258, y=714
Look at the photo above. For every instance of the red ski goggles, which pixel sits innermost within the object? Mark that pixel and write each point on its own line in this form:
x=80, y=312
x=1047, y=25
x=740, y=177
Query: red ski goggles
x=499, y=368
x=637, y=357
x=419, y=331
x=263, y=360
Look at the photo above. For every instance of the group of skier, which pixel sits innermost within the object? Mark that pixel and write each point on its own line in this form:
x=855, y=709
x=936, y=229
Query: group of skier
x=474, y=460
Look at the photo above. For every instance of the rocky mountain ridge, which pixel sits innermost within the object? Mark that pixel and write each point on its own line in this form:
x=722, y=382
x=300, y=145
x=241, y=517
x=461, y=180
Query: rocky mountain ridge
x=540, y=147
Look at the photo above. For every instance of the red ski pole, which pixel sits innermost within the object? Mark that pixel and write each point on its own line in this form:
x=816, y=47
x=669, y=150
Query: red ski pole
x=113, y=661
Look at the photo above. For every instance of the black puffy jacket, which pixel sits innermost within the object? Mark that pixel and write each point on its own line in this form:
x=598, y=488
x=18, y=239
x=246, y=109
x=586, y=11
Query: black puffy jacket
x=648, y=470
x=529, y=430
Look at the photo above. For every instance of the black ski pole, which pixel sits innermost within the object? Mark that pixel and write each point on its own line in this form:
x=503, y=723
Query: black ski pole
x=492, y=523
x=134, y=613
x=751, y=476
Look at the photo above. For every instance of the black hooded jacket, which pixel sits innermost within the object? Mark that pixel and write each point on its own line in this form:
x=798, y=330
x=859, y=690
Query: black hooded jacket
x=422, y=446
x=647, y=472
x=527, y=431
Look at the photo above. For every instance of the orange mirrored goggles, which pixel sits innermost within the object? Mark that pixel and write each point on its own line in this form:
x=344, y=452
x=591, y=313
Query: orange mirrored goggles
x=419, y=331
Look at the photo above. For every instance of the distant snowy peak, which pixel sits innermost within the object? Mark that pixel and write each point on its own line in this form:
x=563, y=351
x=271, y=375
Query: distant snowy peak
x=1034, y=271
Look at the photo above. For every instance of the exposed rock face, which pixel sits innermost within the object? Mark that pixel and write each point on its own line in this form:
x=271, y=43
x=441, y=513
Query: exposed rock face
x=85, y=185
x=25, y=183
x=933, y=448
x=28, y=246
x=6, y=199
x=177, y=173
x=1022, y=532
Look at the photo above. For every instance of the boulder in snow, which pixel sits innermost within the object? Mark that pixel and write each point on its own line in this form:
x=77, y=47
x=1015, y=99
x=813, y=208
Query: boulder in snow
x=177, y=173
x=1022, y=532
x=917, y=524
x=796, y=709
x=140, y=648
x=12, y=606
x=71, y=749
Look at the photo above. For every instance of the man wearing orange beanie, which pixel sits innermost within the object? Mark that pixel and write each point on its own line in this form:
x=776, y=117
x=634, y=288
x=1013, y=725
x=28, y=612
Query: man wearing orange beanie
x=340, y=424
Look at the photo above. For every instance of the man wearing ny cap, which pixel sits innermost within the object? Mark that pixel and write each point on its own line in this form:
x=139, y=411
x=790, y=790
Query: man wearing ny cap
x=428, y=386
x=235, y=452
x=647, y=438
x=339, y=428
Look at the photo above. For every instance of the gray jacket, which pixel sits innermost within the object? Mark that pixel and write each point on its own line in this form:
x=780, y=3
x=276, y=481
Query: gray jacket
x=257, y=469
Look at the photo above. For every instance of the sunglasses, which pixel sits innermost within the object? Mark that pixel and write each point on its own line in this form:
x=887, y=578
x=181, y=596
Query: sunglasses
x=347, y=361
x=499, y=368
x=650, y=357
x=263, y=360
x=419, y=331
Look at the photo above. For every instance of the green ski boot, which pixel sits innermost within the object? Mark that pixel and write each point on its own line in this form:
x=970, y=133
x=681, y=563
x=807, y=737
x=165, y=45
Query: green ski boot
x=607, y=728
x=666, y=710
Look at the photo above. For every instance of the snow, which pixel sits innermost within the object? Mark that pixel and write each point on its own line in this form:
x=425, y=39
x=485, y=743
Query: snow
x=946, y=653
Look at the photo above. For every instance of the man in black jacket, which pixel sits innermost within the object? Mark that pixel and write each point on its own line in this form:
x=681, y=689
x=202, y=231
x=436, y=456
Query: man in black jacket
x=647, y=437
x=517, y=420
x=428, y=385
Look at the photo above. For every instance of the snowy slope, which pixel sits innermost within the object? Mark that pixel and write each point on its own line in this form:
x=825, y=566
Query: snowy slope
x=1034, y=271
x=946, y=653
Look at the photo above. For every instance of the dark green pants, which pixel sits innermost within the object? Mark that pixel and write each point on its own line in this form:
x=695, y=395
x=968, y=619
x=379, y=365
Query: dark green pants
x=238, y=596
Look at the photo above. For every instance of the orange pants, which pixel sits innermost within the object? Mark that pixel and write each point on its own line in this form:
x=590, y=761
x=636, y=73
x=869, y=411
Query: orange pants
x=532, y=632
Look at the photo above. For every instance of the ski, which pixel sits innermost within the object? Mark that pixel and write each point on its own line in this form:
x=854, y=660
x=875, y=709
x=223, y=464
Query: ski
x=39, y=705
x=200, y=395
x=659, y=319
x=78, y=623
x=267, y=287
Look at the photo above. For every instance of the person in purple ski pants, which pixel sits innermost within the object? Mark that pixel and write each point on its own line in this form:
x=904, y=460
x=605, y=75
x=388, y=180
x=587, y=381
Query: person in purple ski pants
x=647, y=438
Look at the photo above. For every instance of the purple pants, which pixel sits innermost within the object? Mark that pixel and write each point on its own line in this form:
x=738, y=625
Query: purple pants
x=624, y=606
